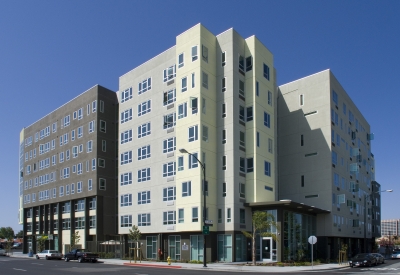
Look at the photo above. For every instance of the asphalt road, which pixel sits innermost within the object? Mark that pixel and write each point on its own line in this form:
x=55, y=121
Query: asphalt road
x=12, y=266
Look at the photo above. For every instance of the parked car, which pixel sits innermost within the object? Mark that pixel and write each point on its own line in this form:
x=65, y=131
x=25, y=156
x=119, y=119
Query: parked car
x=49, y=254
x=82, y=255
x=379, y=257
x=396, y=255
x=363, y=259
x=16, y=246
x=2, y=252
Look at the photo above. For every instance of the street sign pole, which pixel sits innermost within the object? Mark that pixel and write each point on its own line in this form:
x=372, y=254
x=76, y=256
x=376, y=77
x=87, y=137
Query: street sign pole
x=312, y=240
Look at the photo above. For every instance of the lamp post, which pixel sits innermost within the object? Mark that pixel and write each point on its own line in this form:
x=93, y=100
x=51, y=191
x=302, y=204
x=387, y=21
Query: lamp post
x=368, y=196
x=182, y=150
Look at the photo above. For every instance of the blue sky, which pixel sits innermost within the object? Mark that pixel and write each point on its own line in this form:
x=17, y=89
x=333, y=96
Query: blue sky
x=51, y=51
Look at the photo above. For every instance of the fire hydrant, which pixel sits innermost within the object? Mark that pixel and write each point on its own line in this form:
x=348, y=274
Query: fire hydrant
x=169, y=260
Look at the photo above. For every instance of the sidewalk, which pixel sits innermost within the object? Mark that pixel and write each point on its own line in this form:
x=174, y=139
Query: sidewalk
x=234, y=267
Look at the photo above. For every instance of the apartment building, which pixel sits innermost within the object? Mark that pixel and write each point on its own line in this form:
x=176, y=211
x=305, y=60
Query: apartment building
x=390, y=227
x=68, y=172
x=325, y=161
x=213, y=96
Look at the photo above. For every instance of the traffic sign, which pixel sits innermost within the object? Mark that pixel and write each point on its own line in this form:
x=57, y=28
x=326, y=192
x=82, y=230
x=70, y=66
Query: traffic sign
x=208, y=222
x=312, y=240
x=206, y=230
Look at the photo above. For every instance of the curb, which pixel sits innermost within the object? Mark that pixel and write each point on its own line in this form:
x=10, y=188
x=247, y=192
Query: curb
x=154, y=265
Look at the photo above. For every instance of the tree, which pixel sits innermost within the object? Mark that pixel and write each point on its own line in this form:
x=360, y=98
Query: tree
x=262, y=221
x=20, y=234
x=6, y=233
x=134, y=234
x=75, y=238
x=41, y=241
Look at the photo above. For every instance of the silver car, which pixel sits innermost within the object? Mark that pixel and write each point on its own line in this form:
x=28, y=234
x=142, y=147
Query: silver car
x=3, y=252
x=49, y=254
x=396, y=255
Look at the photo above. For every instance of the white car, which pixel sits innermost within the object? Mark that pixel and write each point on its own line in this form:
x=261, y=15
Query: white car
x=49, y=254
x=2, y=252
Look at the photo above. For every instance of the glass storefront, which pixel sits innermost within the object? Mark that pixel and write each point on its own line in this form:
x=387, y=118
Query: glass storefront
x=241, y=248
x=151, y=247
x=174, y=246
x=224, y=248
x=196, y=247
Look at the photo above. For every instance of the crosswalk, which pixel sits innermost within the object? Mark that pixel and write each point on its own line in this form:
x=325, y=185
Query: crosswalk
x=381, y=269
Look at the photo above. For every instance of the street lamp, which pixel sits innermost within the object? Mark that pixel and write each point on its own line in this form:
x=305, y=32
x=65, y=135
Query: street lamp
x=368, y=196
x=183, y=151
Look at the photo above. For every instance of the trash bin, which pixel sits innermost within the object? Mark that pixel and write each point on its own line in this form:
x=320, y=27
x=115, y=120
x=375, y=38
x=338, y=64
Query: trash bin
x=30, y=253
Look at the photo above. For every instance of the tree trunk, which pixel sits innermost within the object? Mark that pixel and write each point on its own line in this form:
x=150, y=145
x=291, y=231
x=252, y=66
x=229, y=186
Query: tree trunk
x=254, y=248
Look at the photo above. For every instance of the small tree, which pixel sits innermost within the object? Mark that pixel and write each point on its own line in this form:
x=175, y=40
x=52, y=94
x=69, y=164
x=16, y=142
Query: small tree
x=134, y=234
x=262, y=221
x=75, y=238
x=41, y=241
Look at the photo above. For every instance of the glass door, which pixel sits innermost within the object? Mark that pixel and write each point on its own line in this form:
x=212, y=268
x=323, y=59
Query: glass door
x=266, y=249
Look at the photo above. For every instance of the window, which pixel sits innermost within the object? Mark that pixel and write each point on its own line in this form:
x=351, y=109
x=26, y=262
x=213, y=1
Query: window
x=181, y=216
x=334, y=158
x=66, y=137
x=169, y=193
x=205, y=133
x=242, y=165
x=203, y=105
x=224, y=189
x=101, y=106
x=144, y=197
x=301, y=100
x=257, y=89
x=249, y=113
x=61, y=157
x=223, y=110
x=249, y=165
x=169, y=97
x=193, y=80
x=223, y=59
x=126, y=136
x=266, y=71
x=204, y=53
x=126, y=157
x=144, y=130
x=270, y=145
x=102, y=184
x=335, y=97
x=267, y=120
x=92, y=127
x=184, y=84
x=223, y=162
x=144, y=152
x=180, y=163
x=92, y=221
x=126, y=115
x=193, y=105
x=79, y=187
x=144, y=175
x=169, y=73
x=126, y=95
x=195, y=214
x=89, y=146
x=224, y=84
x=258, y=139
x=223, y=136
x=242, y=190
x=169, y=121
x=241, y=64
x=103, y=145
x=241, y=113
x=242, y=139
x=241, y=90
x=193, y=161
x=228, y=215
x=249, y=63
x=126, y=178
x=94, y=106
x=219, y=215
x=267, y=168
x=169, y=217
x=66, y=120
x=61, y=191
x=194, y=53
x=301, y=140
x=270, y=98
x=90, y=185
x=54, y=127
x=144, y=219
x=181, y=60
x=186, y=189
x=126, y=221
x=182, y=110
x=205, y=80
x=344, y=108
x=144, y=86
x=193, y=133
x=126, y=200
x=80, y=132
x=242, y=216
x=144, y=108
x=72, y=136
x=169, y=145
x=80, y=167
x=302, y=180
x=169, y=169
x=101, y=163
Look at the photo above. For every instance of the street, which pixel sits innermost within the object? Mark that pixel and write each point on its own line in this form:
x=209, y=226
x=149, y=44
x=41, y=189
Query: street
x=11, y=266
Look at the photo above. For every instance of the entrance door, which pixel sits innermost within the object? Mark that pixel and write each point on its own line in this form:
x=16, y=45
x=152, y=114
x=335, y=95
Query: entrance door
x=266, y=249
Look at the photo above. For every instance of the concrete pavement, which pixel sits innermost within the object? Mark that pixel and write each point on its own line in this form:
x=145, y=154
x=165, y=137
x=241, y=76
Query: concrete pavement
x=232, y=267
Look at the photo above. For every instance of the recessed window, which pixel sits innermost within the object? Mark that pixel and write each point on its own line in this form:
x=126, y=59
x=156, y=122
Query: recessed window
x=241, y=64
x=181, y=216
x=144, y=219
x=184, y=84
x=223, y=110
x=169, y=97
x=270, y=98
x=204, y=53
x=249, y=165
x=144, y=130
x=195, y=214
x=144, y=86
x=224, y=163
x=205, y=80
x=267, y=168
x=170, y=73
x=126, y=200
x=102, y=126
x=126, y=157
x=242, y=216
x=144, y=197
x=266, y=71
x=205, y=133
x=169, y=193
x=194, y=53
x=193, y=80
x=301, y=100
x=186, y=189
x=242, y=140
x=257, y=89
x=242, y=190
x=223, y=136
x=126, y=136
x=224, y=84
x=169, y=121
x=169, y=169
x=181, y=60
x=228, y=215
x=302, y=180
x=144, y=152
x=301, y=140
x=249, y=113
x=144, y=175
x=270, y=145
x=258, y=139
x=193, y=163
x=182, y=110
x=267, y=120
x=180, y=163
x=193, y=133
x=169, y=145
x=223, y=59
x=249, y=63
x=241, y=90
x=144, y=108
x=126, y=179
x=126, y=115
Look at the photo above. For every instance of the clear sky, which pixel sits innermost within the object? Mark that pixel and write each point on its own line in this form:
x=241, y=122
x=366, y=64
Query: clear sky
x=51, y=51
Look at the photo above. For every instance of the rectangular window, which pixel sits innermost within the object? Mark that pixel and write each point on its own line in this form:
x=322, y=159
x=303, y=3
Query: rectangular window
x=241, y=114
x=219, y=215
x=169, y=97
x=126, y=221
x=302, y=180
x=334, y=158
x=90, y=185
x=224, y=163
x=223, y=110
x=184, y=84
x=169, y=193
x=258, y=139
x=205, y=80
x=169, y=145
x=228, y=215
x=67, y=120
x=126, y=136
x=270, y=98
x=79, y=187
x=181, y=62
x=144, y=130
x=126, y=157
x=144, y=108
x=335, y=97
x=204, y=53
x=89, y=146
x=144, y=86
x=257, y=89
x=241, y=90
x=195, y=214
x=126, y=115
x=242, y=190
x=241, y=64
x=249, y=63
x=249, y=165
x=193, y=80
x=181, y=216
x=194, y=53
x=126, y=179
x=224, y=84
x=92, y=126
x=169, y=121
x=61, y=192
x=242, y=216
x=72, y=135
x=101, y=163
x=182, y=110
x=80, y=131
x=144, y=197
x=242, y=165
x=54, y=127
x=266, y=71
x=205, y=133
x=193, y=161
x=144, y=175
x=169, y=73
x=169, y=217
x=126, y=95
x=126, y=200
x=103, y=145
x=193, y=133
x=224, y=189
x=267, y=120
x=301, y=140
x=169, y=169
x=186, y=189
x=102, y=184
x=242, y=136
x=144, y=152
x=301, y=100
x=223, y=136
x=101, y=106
x=94, y=106
x=180, y=163
x=267, y=168
x=144, y=219
x=249, y=113
x=223, y=59
x=203, y=105
x=270, y=145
